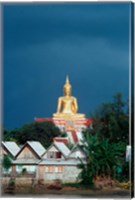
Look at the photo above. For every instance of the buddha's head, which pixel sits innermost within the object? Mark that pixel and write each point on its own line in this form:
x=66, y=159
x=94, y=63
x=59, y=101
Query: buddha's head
x=67, y=88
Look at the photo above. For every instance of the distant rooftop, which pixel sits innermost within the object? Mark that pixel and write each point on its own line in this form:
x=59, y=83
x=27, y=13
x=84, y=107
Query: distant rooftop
x=12, y=147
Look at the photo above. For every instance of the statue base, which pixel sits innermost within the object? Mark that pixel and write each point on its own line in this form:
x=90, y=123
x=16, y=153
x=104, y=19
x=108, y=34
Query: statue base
x=68, y=116
x=68, y=124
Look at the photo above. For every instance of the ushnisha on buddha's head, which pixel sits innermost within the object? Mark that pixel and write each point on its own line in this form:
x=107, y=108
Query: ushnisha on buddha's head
x=67, y=88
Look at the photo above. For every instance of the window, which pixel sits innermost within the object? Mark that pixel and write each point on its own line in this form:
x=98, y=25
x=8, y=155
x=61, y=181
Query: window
x=60, y=169
x=51, y=169
x=50, y=154
x=54, y=169
x=53, y=154
x=46, y=169
x=58, y=154
x=19, y=168
x=78, y=154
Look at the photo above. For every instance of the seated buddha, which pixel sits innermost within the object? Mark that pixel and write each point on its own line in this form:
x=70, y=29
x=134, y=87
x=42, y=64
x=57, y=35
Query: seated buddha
x=67, y=104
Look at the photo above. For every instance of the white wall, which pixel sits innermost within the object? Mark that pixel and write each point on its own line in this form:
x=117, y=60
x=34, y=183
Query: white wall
x=68, y=174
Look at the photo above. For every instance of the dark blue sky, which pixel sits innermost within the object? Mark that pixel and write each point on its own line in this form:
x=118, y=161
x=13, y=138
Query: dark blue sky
x=44, y=42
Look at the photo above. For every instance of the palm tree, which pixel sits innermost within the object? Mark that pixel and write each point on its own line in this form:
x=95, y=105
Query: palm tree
x=102, y=158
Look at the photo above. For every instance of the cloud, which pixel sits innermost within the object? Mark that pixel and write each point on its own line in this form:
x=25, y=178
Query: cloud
x=37, y=24
x=42, y=44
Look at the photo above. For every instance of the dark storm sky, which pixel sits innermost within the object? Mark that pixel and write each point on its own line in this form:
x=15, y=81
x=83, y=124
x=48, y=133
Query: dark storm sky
x=44, y=42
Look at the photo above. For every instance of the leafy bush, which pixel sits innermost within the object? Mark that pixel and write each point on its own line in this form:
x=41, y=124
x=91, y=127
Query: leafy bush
x=103, y=158
x=24, y=170
x=6, y=162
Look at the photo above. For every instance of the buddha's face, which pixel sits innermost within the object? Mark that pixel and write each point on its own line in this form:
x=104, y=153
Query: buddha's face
x=67, y=91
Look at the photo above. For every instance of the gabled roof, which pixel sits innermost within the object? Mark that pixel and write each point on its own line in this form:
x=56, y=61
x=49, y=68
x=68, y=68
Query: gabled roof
x=77, y=147
x=63, y=148
x=36, y=147
x=60, y=146
x=11, y=147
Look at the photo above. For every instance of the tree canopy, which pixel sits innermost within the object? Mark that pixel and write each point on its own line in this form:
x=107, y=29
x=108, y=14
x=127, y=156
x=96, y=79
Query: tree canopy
x=6, y=162
x=103, y=158
x=112, y=119
x=44, y=132
x=105, y=144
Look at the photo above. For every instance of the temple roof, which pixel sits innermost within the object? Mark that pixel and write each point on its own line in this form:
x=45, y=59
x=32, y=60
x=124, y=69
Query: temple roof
x=61, y=139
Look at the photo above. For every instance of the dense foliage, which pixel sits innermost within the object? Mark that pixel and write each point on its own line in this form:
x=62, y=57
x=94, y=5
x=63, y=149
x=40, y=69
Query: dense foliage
x=44, y=132
x=112, y=120
x=6, y=162
x=103, y=158
x=105, y=144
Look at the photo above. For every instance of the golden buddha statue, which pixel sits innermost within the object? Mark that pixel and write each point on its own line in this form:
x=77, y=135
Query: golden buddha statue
x=67, y=104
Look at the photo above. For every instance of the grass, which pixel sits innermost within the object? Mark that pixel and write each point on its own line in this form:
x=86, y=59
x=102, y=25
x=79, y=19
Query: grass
x=124, y=185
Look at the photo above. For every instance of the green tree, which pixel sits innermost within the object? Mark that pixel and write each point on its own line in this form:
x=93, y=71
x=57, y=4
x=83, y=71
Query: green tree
x=5, y=133
x=6, y=162
x=111, y=120
x=103, y=157
x=43, y=132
